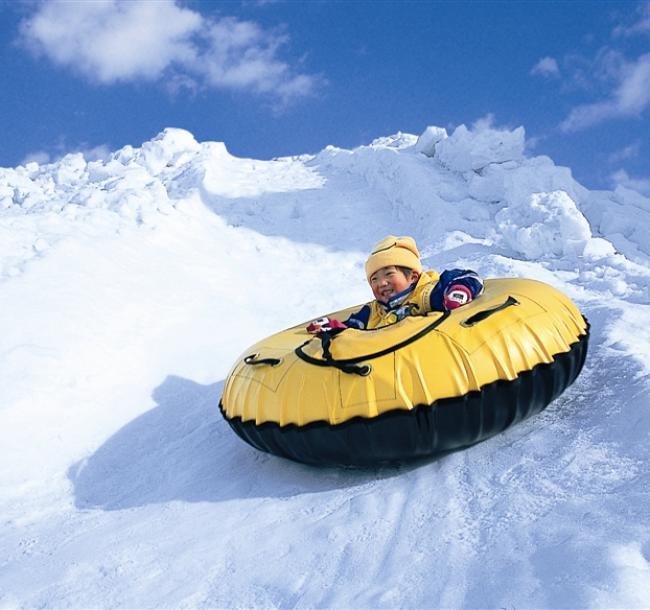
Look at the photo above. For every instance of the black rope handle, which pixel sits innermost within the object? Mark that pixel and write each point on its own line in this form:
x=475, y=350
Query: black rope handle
x=482, y=315
x=253, y=359
x=363, y=371
x=325, y=342
x=326, y=337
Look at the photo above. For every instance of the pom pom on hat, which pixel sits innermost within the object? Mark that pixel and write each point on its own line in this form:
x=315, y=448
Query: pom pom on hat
x=392, y=250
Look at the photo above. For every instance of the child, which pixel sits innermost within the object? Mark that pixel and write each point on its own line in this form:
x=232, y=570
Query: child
x=401, y=288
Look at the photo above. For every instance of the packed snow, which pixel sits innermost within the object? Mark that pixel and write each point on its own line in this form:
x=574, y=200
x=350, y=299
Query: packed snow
x=129, y=286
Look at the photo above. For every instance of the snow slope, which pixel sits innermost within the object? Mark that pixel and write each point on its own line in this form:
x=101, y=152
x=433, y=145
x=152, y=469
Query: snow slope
x=129, y=286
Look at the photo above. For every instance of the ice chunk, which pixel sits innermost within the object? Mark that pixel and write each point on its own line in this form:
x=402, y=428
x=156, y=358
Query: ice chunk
x=427, y=141
x=467, y=150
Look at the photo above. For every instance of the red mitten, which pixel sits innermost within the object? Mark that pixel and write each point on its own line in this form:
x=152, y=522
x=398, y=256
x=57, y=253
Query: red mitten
x=337, y=324
x=456, y=295
x=316, y=325
x=325, y=324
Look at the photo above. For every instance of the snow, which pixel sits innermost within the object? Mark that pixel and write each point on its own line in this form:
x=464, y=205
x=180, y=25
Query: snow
x=544, y=224
x=467, y=150
x=129, y=286
x=426, y=143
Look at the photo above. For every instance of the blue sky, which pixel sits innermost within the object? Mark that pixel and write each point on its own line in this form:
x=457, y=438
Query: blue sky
x=274, y=78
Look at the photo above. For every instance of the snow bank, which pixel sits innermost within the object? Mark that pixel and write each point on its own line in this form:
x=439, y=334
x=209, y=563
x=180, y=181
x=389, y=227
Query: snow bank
x=473, y=187
x=547, y=224
x=623, y=217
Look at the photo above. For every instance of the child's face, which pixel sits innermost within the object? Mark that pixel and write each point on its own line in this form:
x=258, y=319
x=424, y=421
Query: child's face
x=388, y=281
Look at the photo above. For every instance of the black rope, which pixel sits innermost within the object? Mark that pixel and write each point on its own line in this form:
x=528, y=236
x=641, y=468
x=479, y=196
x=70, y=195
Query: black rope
x=482, y=315
x=301, y=354
x=253, y=359
x=325, y=342
x=326, y=337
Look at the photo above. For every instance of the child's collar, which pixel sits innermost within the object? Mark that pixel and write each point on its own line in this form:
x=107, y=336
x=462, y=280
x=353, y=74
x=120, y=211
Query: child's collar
x=397, y=299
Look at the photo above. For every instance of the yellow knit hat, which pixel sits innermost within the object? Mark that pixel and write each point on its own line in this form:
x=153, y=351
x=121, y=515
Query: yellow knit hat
x=398, y=251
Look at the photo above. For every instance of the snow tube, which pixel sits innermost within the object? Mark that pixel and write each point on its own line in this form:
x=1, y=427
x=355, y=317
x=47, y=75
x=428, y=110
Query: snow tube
x=424, y=385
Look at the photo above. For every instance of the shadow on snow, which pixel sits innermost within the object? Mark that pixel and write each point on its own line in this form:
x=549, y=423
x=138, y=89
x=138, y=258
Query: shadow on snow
x=184, y=450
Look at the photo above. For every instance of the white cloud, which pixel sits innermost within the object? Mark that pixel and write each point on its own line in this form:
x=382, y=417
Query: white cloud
x=110, y=41
x=38, y=156
x=630, y=98
x=61, y=148
x=641, y=26
x=484, y=123
x=533, y=142
x=488, y=122
x=628, y=152
x=96, y=153
x=622, y=178
x=259, y=3
x=547, y=66
x=624, y=84
x=241, y=55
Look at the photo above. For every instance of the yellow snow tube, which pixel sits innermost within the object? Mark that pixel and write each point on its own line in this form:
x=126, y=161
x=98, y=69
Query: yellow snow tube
x=424, y=385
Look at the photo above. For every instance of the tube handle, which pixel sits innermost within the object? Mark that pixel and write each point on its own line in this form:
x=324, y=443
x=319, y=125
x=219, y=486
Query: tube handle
x=486, y=313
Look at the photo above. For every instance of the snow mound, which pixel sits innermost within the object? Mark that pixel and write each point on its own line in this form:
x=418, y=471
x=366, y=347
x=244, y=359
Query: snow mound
x=399, y=140
x=476, y=183
x=171, y=148
x=547, y=224
x=467, y=150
